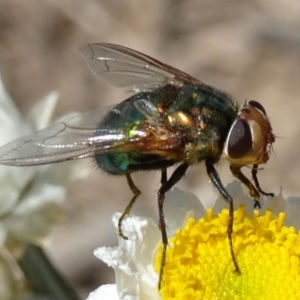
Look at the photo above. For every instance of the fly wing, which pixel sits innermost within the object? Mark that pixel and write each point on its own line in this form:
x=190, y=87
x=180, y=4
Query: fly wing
x=79, y=137
x=75, y=137
x=130, y=69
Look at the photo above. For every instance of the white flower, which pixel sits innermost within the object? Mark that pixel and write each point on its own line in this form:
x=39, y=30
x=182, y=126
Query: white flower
x=133, y=259
x=29, y=196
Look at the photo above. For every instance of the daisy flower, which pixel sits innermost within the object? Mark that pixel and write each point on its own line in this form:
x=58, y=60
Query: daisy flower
x=266, y=244
x=29, y=197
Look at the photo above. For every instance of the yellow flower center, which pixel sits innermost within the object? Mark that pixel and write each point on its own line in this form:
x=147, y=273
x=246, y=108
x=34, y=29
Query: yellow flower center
x=199, y=264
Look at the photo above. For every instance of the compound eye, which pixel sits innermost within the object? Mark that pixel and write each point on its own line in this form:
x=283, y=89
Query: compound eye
x=258, y=106
x=240, y=139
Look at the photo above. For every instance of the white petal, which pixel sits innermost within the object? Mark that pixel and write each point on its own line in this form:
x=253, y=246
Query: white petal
x=132, y=259
x=32, y=219
x=292, y=212
x=9, y=198
x=178, y=205
x=104, y=292
x=62, y=173
x=41, y=114
x=9, y=114
x=276, y=204
x=3, y=234
x=239, y=196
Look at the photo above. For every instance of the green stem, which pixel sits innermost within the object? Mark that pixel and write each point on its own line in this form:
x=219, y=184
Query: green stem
x=43, y=277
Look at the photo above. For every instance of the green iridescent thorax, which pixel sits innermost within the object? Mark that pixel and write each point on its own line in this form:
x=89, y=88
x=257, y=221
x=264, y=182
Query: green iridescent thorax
x=205, y=114
x=200, y=115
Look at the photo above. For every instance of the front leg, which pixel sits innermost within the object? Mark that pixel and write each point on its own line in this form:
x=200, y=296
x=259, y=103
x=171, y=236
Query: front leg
x=236, y=171
x=254, y=175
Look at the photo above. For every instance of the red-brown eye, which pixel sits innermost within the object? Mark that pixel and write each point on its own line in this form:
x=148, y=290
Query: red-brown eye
x=240, y=139
x=258, y=106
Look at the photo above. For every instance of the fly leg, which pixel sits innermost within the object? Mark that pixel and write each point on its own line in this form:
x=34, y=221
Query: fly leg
x=214, y=177
x=163, y=180
x=164, y=177
x=175, y=177
x=253, y=192
x=257, y=185
x=136, y=193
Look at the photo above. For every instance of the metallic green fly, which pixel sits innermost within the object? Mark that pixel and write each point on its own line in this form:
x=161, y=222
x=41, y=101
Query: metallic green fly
x=172, y=119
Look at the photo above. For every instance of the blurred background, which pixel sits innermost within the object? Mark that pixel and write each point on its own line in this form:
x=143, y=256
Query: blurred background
x=250, y=49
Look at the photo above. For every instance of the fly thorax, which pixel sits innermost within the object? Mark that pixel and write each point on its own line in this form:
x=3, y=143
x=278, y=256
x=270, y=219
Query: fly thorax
x=250, y=137
x=180, y=119
x=192, y=126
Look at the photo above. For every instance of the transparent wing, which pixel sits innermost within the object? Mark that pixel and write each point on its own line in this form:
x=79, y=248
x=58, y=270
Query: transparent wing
x=79, y=137
x=130, y=69
x=72, y=138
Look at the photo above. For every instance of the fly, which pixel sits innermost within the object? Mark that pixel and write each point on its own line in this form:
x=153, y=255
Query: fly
x=171, y=119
